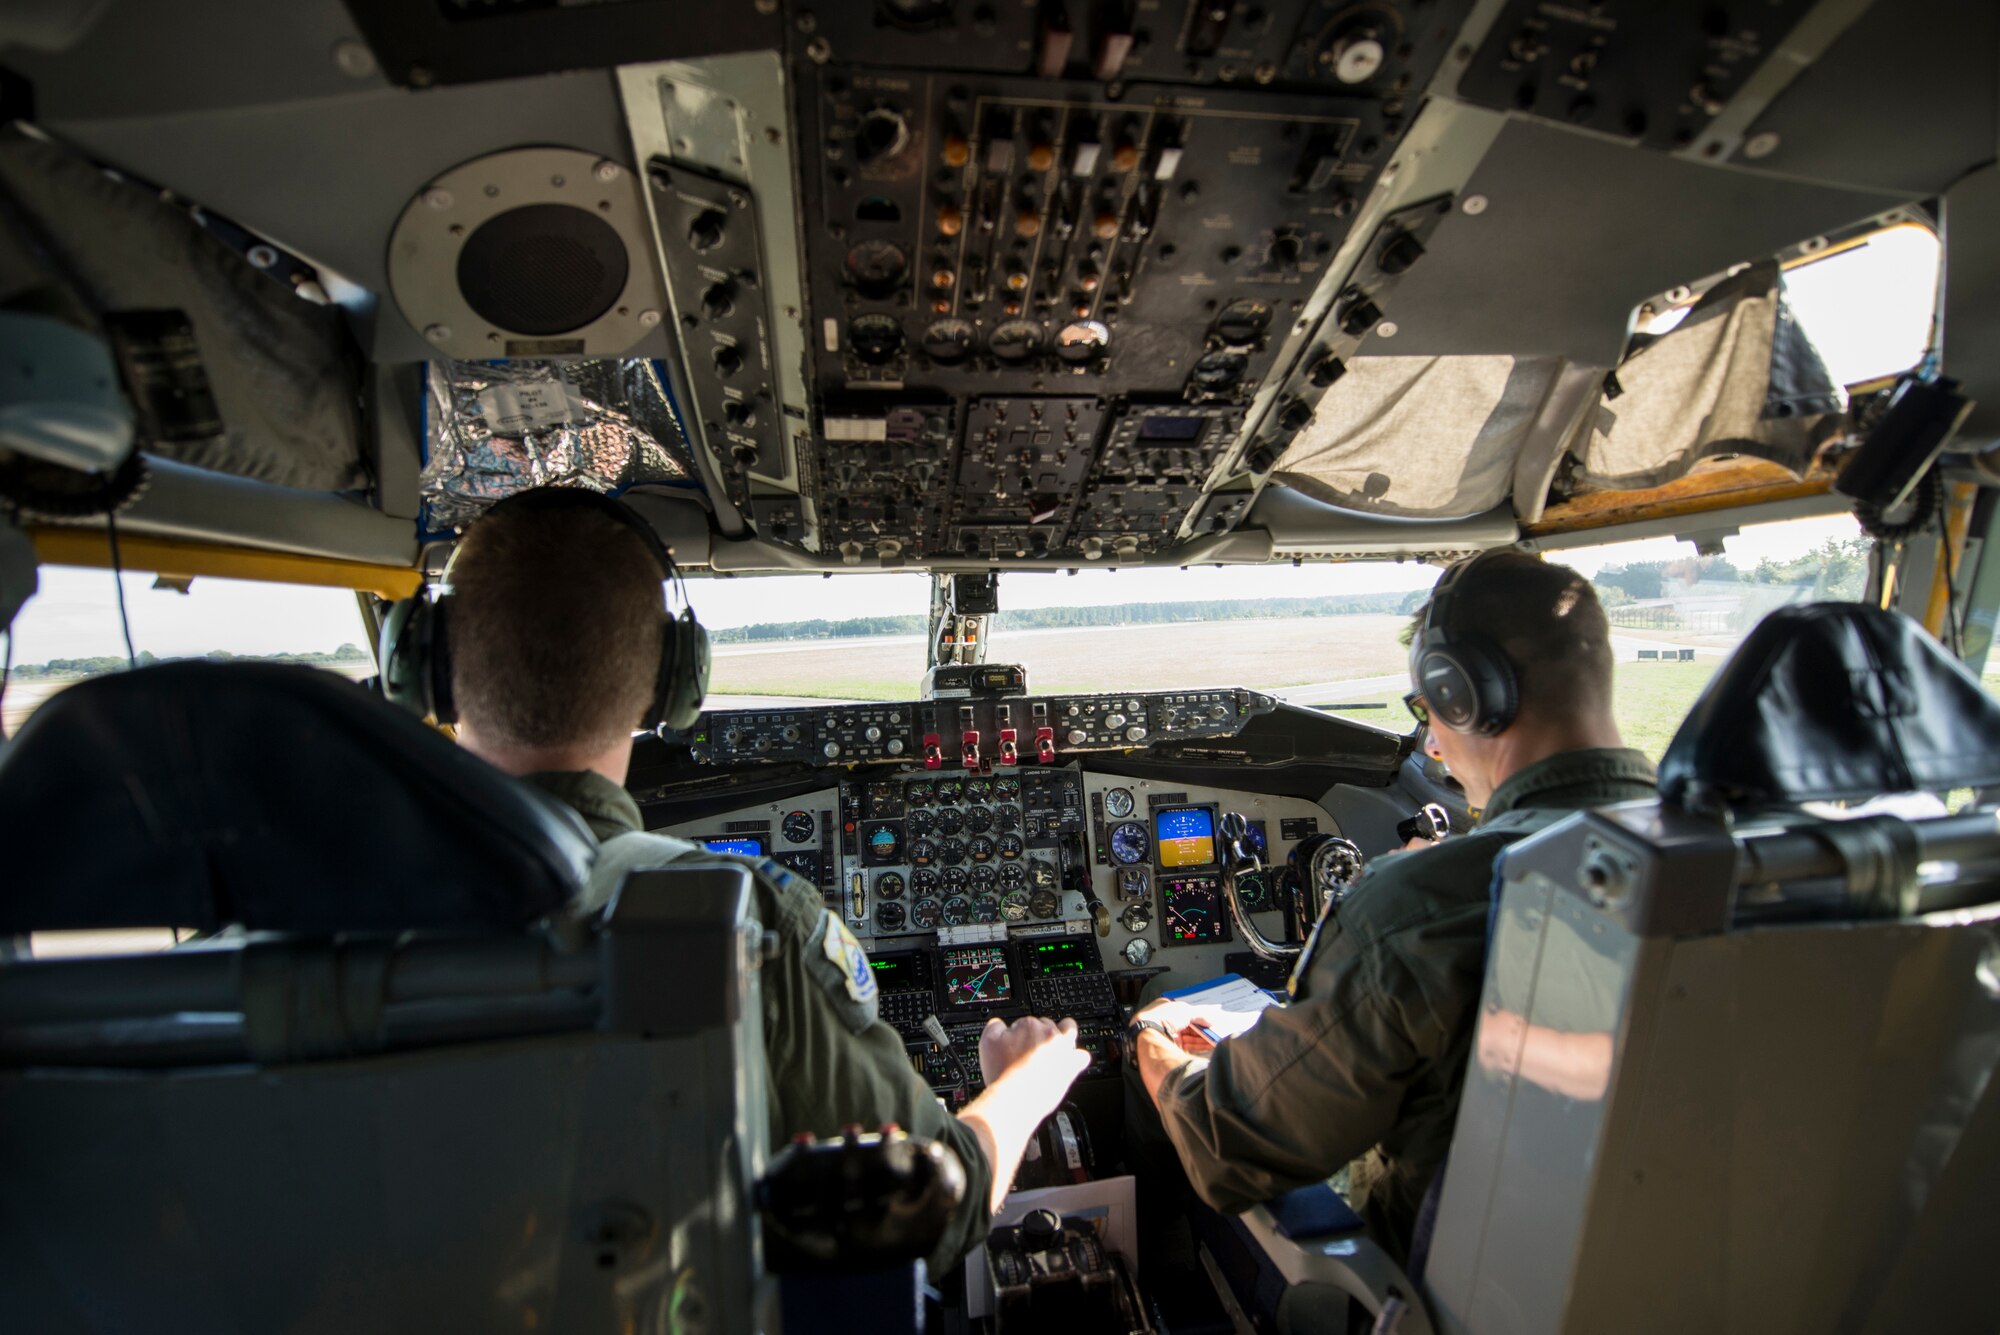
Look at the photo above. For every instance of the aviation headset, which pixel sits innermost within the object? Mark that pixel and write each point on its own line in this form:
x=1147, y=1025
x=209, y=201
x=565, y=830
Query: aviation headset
x=1469, y=684
x=415, y=659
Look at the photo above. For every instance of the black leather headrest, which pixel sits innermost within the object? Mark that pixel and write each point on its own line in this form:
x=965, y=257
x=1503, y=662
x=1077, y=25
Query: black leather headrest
x=1833, y=701
x=270, y=796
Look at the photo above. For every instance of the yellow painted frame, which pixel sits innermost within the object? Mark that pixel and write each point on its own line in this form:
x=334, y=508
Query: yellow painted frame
x=176, y=558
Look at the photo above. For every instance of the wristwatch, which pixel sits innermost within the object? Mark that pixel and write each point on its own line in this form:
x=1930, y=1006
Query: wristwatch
x=1134, y=1029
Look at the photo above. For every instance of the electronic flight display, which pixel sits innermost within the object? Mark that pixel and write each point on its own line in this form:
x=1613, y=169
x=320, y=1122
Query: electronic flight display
x=752, y=847
x=1058, y=956
x=977, y=976
x=1191, y=910
x=1184, y=836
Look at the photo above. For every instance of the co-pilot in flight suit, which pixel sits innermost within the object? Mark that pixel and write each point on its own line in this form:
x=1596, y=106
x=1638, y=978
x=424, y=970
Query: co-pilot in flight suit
x=832, y=1061
x=1366, y=1063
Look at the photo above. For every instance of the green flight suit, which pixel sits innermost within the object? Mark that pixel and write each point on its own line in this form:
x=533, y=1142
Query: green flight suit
x=832, y=1060
x=1365, y=1066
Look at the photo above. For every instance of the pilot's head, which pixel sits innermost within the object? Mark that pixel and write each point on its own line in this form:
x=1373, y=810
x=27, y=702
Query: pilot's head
x=1510, y=662
x=556, y=617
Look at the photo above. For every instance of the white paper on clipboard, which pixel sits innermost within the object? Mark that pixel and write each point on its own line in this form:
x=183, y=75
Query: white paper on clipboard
x=1232, y=1003
x=1110, y=1200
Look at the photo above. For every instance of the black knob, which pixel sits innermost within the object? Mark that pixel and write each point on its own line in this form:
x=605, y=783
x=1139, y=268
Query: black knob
x=705, y=232
x=1041, y=1230
x=1286, y=247
x=1263, y=457
x=719, y=302
x=728, y=361
x=1402, y=250
x=738, y=413
x=1326, y=370
x=1293, y=414
x=1361, y=317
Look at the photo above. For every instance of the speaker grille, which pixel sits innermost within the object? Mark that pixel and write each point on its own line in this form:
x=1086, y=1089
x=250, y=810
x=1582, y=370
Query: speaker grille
x=542, y=269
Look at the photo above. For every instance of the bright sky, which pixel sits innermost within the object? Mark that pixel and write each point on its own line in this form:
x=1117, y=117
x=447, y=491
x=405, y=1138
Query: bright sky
x=75, y=615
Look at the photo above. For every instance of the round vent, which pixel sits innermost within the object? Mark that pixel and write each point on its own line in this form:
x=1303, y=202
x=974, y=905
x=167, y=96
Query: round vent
x=543, y=269
x=533, y=252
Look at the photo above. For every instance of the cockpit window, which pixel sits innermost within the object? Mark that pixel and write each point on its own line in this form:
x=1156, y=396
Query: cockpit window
x=70, y=630
x=1868, y=304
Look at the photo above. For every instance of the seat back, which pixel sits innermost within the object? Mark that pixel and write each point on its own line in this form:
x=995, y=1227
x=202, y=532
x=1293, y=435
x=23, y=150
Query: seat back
x=407, y=1089
x=1740, y=1076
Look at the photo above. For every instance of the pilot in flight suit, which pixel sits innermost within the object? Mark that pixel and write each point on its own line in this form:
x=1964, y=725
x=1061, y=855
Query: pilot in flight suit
x=556, y=624
x=1365, y=1065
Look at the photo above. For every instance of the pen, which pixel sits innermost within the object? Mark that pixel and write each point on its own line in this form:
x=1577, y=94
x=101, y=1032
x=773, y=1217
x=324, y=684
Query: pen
x=1208, y=1033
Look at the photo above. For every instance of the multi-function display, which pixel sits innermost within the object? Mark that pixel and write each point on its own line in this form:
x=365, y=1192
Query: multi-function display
x=977, y=976
x=752, y=847
x=1184, y=837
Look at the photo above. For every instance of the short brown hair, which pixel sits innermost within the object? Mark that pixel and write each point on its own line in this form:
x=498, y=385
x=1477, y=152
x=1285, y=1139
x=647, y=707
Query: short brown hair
x=555, y=627
x=1547, y=620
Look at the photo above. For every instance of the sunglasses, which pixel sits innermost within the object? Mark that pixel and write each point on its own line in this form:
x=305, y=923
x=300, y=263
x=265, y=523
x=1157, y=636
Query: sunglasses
x=1418, y=707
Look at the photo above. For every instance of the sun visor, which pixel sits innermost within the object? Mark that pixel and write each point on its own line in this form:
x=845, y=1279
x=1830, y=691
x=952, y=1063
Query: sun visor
x=1420, y=437
x=1737, y=376
x=229, y=369
x=494, y=428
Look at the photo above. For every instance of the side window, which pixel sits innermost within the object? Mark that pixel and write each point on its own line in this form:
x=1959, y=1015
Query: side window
x=1675, y=615
x=71, y=630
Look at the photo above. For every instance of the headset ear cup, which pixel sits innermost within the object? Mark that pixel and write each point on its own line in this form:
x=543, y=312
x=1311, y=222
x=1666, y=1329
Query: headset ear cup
x=684, y=665
x=443, y=706
x=395, y=645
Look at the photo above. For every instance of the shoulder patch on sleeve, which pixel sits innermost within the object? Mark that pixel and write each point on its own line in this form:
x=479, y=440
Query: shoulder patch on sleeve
x=846, y=955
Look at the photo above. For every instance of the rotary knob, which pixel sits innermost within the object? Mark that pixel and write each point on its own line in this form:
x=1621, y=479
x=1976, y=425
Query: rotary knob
x=873, y=734
x=895, y=747
x=831, y=750
x=1077, y=737
x=1135, y=733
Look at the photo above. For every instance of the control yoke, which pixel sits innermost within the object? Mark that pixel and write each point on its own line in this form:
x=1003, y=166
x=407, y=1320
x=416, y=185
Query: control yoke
x=1239, y=860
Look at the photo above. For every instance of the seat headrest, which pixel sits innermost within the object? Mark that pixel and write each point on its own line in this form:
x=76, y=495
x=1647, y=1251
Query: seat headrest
x=270, y=796
x=1830, y=702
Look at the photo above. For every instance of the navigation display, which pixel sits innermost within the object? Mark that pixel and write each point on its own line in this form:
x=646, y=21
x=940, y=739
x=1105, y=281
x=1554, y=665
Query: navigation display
x=1184, y=836
x=752, y=847
x=976, y=976
x=1192, y=910
x=1054, y=958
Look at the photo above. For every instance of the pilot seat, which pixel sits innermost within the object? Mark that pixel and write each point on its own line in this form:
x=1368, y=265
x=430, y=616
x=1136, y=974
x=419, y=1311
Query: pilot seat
x=391, y=1083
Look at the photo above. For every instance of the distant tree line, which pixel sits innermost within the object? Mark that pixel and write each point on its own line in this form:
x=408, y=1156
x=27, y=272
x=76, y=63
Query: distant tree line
x=1836, y=569
x=61, y=669
x=1051, y=618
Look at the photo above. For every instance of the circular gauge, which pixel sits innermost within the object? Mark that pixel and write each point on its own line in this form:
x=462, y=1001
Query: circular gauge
x=979, y=819
x=1128, y=843
x=922, y=822
x=983, y=878
x=947, y=791
x=1134, y=883
x=1219, y=370
x=1192, y=911
x=875, y=338
x=1006, y=790
x=957, y=911
x=889, y=885
x=1044, y=904
x=876, y=267
x=1015, y=341
x=799, y=827
x=953, y=851
x=956, y=878
x=950, y=341
x=981, y=849
x=1118, y=803
x=883, y=800
x=1241, y=321
x=986, y=908
x=1014, y=905
x=889, y=917
x=950, y=820
x=923, y=882
x=978, y=790
x=1013, y=876
x=922, y=853
x=919, y=793
x=1009, y=846
x=1041, y=875
x=926, y=915
x=1254, y=889
x=1082, y=341
x=882, y=841
x=1007, y=818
